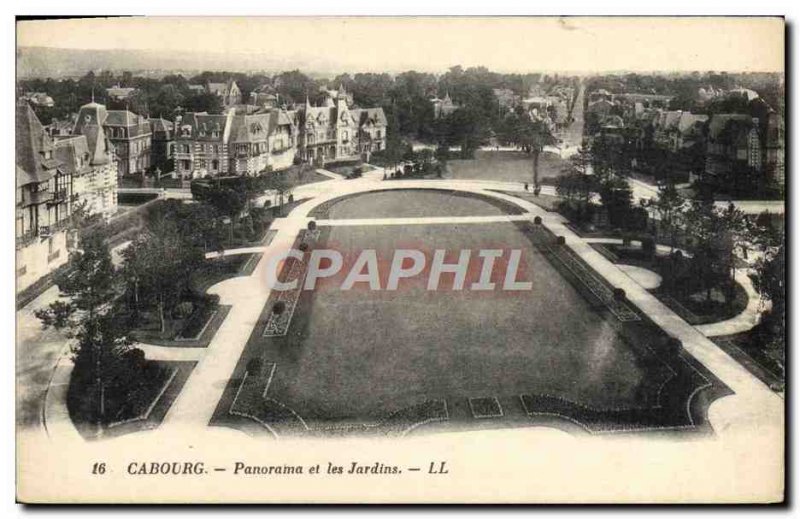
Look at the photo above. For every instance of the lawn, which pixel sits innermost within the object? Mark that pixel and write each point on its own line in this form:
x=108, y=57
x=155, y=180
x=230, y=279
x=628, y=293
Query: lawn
x=360, y=361
x=413, y=203
x=301, y=175
x=507, y=166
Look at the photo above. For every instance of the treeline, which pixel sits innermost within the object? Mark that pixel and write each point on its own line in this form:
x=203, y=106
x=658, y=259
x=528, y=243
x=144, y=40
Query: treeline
x=685, y=87
x=405, y=97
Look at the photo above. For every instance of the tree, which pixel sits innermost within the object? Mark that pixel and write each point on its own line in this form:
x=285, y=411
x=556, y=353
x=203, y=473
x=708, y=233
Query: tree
x=203, y=102
x=280, y=185
x=714, y=234
x=442, y=155
x=769, y=279
x=158, y=266
x=668, y=205
x=89, y=316
x=617, y=199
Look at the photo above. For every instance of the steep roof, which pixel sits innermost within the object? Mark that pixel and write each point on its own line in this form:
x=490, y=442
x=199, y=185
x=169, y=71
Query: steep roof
x=161, y=125
x=203, y=125
x=373, y=116
x=73, y=152
x=99, y=147
x=32, y=145
x=222, y=88
x=136, y=124
x=252, y=128
x=90, y=114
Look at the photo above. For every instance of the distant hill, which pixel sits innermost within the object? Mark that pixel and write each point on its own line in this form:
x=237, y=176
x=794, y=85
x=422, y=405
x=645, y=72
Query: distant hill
x=40, y=62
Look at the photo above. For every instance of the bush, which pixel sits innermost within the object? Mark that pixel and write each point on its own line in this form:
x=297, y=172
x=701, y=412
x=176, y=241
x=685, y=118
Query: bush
x=183, y=310
x=303, y=247
x=537, y=220
x=619, y=294
x=278, y=308
x=561, y=240
x=649, y=246
x=626, y=239
x=312, y=225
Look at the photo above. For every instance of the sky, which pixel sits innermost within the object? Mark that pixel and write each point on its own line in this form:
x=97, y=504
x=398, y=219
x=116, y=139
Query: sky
x=506, y=44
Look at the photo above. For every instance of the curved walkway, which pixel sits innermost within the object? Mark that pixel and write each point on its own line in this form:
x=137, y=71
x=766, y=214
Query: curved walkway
x=647, y=278
x=746, y=320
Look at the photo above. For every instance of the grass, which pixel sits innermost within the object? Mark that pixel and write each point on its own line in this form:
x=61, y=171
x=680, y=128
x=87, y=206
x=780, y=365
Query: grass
x=416, y=349
x=506, y=166
x=748, y=349
x=301, y=175
x=411, y=203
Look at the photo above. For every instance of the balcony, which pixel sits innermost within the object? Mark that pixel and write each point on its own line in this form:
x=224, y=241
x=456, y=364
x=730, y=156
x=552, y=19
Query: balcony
x=48, y=230
x=59, y=197
x=36, y=197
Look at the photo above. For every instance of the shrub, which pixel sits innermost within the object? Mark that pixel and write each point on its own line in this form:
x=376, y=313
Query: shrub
x=312, y=225
x=537, y=220
x=303, y=247
x=649, y=246
x=278, y=308
x=561, y=240
x=183, y=310
x=619, y=294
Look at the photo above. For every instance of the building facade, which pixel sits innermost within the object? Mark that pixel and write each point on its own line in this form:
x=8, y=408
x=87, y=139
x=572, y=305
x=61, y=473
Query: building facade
x=336, y=132
x=443, y=107
x=239, y=142
x=228, y=92
x=43, y=201
x=162, y=151
x=89, y=159
x=128, y=132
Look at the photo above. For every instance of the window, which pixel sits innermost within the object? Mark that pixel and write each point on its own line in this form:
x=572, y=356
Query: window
x=49, y=245
x=215, y=165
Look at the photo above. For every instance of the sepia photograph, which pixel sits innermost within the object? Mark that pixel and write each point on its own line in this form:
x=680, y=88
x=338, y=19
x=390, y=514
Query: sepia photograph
x=400, y=259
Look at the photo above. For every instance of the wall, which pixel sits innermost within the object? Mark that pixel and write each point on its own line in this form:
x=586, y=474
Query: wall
x=36, y=261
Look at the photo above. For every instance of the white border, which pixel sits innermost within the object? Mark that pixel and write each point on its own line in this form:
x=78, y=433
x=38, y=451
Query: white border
x=311, y=7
